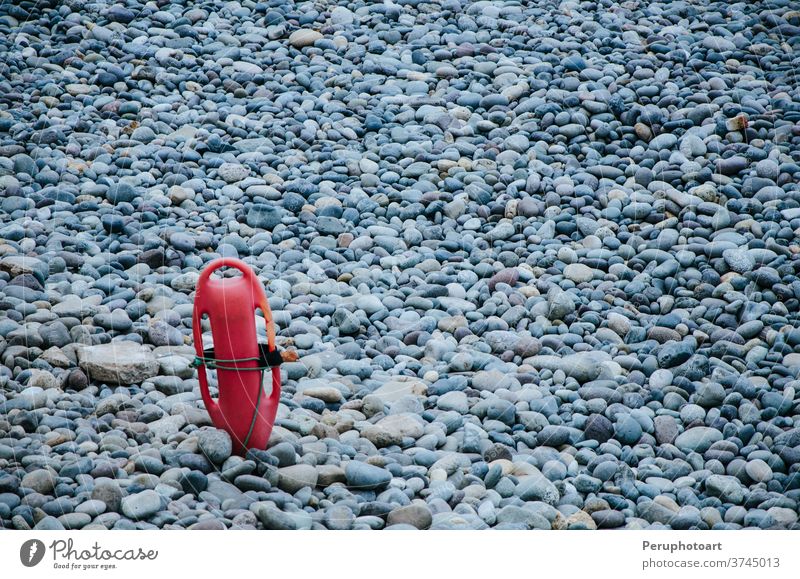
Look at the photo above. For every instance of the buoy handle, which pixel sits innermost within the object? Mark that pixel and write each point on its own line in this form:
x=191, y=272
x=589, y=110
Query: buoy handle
x=226, y=262
x=211, y=404
x=258, y=290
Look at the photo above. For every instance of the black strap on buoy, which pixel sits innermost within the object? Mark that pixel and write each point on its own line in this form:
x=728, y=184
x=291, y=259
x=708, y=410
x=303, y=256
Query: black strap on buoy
x=267, y=359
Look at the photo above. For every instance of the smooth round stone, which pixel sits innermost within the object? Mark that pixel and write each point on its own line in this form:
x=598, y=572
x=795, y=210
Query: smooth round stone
x=554, y=470
x=710, y=395
x=518, y=143
x=675, y=353
x=739, y=260
x=768, y=169
x=578, y=273
x=554, y=436
x=691, y=412
x=537, y=488
x=698, y=439
x=208, y=525
x=193, y=482
x=473, y=224
x=262, y=216
x=215, y=444
x=660, y=379
x=75, y=520
x=24, y=164
x=49, y=524
x=758, y=470
x=750, y=329
x=41, y=481
x=692, y=146
x=297, y=477
x=574, y=63
x=727, y=488
x=293, y=202
x=341, y=15
x=628, y=430
x=284, y=452
x=598, y=428
x=304, y=37
x=109, y=493
x=339, y=518
x=117, y=321
x=143, y=135
x=233, y=172
x=732, y=165
x=605, y=470
x=141, y=505
x=162, y=334
x=113, y=223
x=608, y=519
x=182, y=241
x=560, y=304
x=417, y=516
x=363, y=476
x=346, y=322
x=665, y=429
x=456, y=401
x=664, y=141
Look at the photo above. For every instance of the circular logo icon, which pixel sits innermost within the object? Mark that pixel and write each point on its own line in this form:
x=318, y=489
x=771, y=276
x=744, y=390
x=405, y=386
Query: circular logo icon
x=31, y=553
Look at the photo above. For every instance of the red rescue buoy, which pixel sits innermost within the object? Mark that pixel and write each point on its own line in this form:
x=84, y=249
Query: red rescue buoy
x=244, y=408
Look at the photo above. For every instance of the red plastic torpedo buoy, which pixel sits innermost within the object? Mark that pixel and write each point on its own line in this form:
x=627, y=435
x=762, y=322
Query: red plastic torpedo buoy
x=245, y=408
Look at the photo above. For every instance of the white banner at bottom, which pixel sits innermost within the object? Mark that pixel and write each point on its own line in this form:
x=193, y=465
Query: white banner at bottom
x=353, y=555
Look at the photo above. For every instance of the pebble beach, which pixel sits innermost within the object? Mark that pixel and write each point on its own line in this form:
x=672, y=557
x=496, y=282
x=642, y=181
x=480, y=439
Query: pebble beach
x=538, y=262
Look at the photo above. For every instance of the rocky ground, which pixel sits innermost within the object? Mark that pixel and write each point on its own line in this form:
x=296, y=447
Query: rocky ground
x=539, y=261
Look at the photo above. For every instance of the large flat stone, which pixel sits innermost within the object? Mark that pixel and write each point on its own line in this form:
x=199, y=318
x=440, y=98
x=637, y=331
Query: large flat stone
x=396, y=389
x=118, y=362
